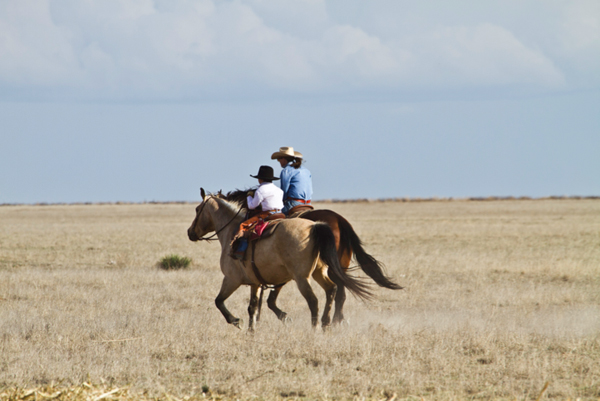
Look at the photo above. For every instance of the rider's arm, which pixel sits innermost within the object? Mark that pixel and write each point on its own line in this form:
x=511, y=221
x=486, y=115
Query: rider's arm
x=284, y=183
x=254, y=201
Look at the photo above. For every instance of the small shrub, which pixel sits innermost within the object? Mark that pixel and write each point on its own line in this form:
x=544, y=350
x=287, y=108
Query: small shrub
x=173, y=262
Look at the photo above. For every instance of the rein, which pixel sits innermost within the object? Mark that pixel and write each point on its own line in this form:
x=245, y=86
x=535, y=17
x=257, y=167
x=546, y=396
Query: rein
x=211, y=238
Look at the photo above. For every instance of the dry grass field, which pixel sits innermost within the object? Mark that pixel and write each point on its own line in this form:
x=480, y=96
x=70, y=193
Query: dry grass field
x=501, y=298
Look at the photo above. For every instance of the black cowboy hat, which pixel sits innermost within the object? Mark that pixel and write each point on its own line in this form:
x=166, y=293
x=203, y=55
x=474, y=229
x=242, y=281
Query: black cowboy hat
x=265, y=173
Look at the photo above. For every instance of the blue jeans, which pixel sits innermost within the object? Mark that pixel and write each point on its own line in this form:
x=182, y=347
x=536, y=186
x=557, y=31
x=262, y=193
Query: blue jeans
x=289, y=204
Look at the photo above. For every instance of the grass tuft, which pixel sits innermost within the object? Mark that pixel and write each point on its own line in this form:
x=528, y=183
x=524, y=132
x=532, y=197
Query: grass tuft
x=174, y=262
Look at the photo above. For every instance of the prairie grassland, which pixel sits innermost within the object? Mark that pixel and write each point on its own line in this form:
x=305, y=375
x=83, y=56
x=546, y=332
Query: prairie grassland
x=501, y=297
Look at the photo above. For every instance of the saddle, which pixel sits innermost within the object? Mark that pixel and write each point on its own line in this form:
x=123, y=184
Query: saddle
x=299, y=210
x=265, y=228
x=262, y=228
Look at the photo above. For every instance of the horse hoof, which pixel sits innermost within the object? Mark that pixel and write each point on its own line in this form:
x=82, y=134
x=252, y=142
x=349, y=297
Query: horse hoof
x=286, y=320
x=238, y=323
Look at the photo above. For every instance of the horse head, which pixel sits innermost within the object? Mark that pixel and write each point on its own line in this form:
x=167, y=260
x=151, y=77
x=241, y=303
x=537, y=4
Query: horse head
x=203, y=222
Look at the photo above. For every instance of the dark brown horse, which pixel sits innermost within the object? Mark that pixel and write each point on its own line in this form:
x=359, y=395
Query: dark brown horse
x=348, y=244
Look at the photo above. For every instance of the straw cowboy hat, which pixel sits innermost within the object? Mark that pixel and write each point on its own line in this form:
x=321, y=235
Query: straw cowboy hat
x=265, y=173
x=286, y=151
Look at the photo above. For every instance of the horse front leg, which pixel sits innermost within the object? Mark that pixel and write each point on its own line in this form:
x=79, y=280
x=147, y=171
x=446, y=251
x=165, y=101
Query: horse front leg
x=272, y=303
x=330, y=291
x=228, y=287
x=260, y=301
x=253, y=306
x=311, y=299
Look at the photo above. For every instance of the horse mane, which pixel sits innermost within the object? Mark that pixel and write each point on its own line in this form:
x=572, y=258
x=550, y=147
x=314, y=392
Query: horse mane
x=228, y=203
x=237, y=196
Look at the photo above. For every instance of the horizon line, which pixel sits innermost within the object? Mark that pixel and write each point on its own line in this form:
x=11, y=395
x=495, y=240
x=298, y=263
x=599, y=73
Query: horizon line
x=333, y=200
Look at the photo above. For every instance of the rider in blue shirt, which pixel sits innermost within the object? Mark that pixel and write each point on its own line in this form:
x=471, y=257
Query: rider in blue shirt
x=296, y=181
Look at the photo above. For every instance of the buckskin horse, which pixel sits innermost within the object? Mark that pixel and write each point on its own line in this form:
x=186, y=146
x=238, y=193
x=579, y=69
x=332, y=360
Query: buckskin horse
x=347, y=243
x=296, y=250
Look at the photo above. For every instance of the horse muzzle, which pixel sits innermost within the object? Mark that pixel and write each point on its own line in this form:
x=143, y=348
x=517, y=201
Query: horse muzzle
x=192, y=234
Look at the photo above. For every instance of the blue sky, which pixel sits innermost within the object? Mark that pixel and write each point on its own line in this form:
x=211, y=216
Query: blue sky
x=140, y=100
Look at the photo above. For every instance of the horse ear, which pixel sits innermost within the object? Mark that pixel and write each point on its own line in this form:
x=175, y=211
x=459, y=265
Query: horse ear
x=202, y=194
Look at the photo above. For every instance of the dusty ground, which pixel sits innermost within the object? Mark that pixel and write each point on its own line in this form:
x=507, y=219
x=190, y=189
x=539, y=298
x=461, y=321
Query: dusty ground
x=501, y=298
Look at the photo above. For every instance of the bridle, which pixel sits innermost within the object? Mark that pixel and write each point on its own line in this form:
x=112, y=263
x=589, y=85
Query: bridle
x=212, y=237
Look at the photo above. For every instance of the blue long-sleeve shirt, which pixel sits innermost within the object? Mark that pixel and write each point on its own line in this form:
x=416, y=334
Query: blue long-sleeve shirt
x=296, y=183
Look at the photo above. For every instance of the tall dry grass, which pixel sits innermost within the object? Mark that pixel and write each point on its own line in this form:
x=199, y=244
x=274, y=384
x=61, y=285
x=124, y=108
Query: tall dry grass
x=501, y=298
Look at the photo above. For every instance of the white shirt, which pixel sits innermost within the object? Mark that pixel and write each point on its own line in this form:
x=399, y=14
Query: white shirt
x=268, y=195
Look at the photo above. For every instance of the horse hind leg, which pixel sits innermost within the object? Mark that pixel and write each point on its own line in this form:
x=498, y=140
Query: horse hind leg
x=340, y=298
x=311, y=299
x=272, y=304
x=340, y=295
x=228, y=287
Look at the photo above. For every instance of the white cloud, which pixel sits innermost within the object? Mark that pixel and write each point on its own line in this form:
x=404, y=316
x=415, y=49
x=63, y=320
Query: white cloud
x=33, y=50
x=198, y=48
x=579, y=41
x=582, y=25
x=480, y=55
x=345, y=44
x=303, y=19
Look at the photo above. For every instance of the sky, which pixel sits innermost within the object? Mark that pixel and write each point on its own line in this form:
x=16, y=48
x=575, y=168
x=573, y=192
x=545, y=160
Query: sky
x=149, y=100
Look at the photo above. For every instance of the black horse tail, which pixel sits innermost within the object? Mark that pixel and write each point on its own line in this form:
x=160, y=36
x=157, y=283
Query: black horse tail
x=371, y=266
x=325, y=245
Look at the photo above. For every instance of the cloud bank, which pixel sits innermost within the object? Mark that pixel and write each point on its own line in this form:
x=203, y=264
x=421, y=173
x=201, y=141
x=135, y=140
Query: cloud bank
x=213, y=49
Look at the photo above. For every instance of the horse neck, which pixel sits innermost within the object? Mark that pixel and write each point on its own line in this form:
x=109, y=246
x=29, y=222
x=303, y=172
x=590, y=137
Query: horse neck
x=226, y=219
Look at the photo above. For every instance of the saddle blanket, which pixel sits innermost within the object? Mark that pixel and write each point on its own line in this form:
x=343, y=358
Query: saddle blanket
x=257, y=231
